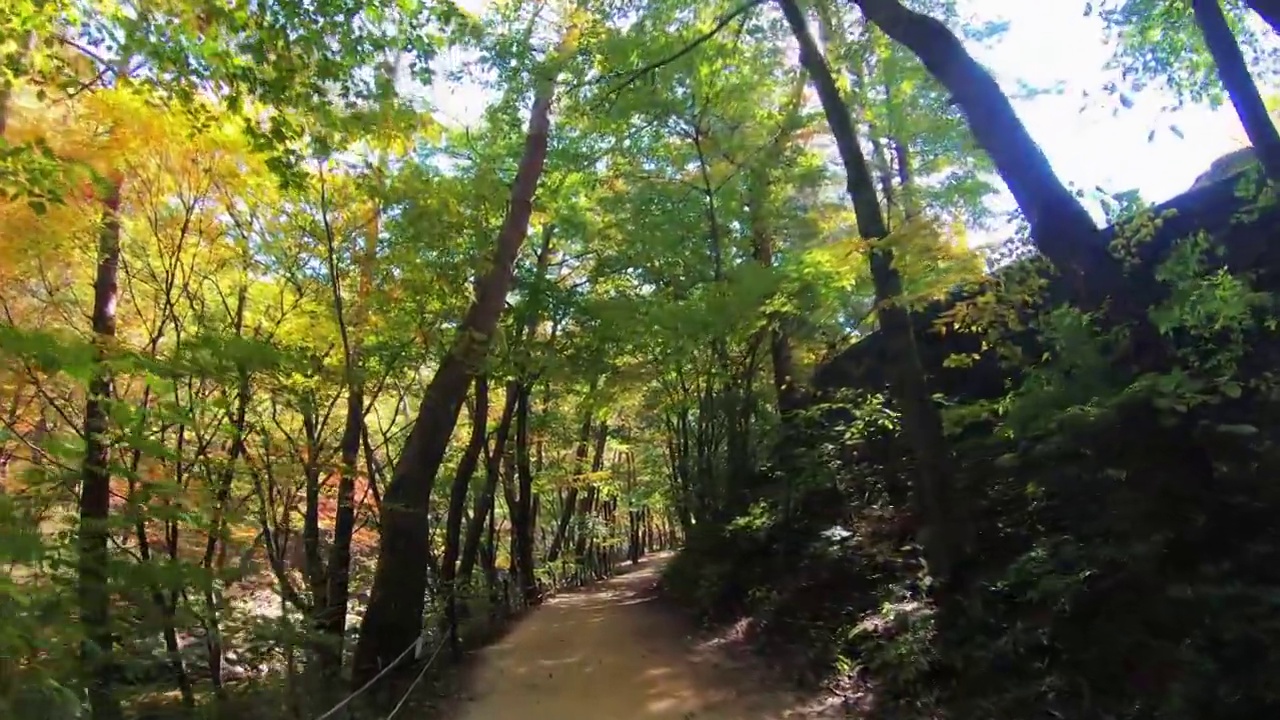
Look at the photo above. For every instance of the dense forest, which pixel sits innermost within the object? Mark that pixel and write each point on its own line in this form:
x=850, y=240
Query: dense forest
x=306, y=388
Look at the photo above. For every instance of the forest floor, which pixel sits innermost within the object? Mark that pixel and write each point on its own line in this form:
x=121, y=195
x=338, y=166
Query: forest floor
x=617, y=651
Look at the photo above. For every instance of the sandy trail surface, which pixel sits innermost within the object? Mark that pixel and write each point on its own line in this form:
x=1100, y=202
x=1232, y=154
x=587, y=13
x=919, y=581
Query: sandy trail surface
x=614, y=652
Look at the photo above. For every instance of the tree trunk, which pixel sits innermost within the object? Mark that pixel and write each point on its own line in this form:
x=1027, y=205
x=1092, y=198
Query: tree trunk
x=218, y=533
x=944, y=540
x=457, y=504
x=508, y=478
x=787, y=394
x=587, y=504
x=884, y=172
x=1239, y=83
x=678, y=450
x=535, y=521
x=523, y=515
x=333, y=615
x=173, y=650
x=1061, y=227
x=166, y=606
x=314, y=570
x=396, y=604
x=522, y=518
x=582, y=540
x=571, y=496
x=602, y=438
x=490, y=559
x=484, y=502
x=633, y=511
x=906, y=179
x=1269, y=10
x=96, y=649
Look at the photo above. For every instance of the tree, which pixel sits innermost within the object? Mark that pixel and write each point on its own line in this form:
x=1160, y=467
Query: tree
x=944, y=539
x=1269, y=10
x=95, y=491
x=1061, y=227
x=1235, y=77
x=395, y=607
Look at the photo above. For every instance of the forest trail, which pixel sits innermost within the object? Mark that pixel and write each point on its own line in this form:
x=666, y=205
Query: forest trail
x=614, y=652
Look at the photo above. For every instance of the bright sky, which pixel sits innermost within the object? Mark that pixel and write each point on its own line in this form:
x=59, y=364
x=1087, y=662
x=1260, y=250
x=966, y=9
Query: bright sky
x=1051, y=42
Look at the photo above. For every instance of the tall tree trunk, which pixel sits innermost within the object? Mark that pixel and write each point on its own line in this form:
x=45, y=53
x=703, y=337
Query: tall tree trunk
x=944, y=539
x=906, y=179
x=333, y=615
x=586, y=507
x=490, y=559
x=218, y=532
x=338, y=572
x=314, y=568
x=484, y=501
x=96, y=649
x=571, y=495
x=784, y=381
x=522, y=518
x=509, y=496
x=396, y=602
x=535, y=520
x=602, y=439
x=1239, y=83
x=678, y=448
x=647, y=544
x=163, y=603
x=884, y=172
x=169, y=603
x=457, y=505
x=633, y=511
x=587, y=504
x=173, y=650
x=1269, y=10
x=1061, y=227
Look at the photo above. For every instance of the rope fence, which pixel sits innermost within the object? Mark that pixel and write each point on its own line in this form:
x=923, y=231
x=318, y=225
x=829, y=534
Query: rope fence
x=422, y=674
x=416, y=649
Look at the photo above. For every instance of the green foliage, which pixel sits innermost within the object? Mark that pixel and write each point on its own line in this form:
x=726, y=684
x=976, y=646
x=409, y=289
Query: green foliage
x=1157, y=42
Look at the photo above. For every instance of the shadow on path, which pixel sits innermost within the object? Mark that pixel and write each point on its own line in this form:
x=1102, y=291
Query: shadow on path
x=611, y=652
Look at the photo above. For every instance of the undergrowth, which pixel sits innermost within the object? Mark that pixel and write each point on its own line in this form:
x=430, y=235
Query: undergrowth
x=1126, y=561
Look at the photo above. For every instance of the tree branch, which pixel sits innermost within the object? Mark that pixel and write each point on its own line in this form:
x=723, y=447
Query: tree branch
x=697, y=42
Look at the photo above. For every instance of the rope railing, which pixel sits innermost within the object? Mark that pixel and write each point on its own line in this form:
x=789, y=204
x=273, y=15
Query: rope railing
x=414, y=684
x=415, y=646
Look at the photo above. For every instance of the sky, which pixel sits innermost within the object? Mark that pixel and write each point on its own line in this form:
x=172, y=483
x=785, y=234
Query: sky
x=1051, y=42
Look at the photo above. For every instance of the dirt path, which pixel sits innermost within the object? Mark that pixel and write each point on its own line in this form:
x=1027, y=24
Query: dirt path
x=612, y=652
